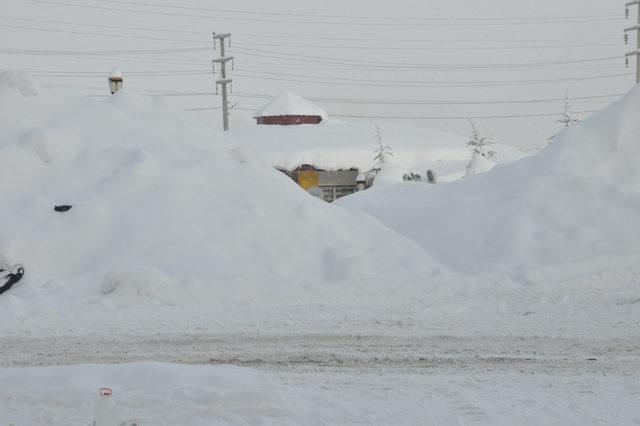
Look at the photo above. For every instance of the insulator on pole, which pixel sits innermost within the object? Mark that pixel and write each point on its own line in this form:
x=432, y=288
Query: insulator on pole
x=626, y=39
x=626, y=12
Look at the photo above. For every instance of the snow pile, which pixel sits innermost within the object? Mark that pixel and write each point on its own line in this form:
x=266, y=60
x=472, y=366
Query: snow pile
x=163, y=210
x=570, y=211
x=288, y=103
x=335, y=145
x=143, y=393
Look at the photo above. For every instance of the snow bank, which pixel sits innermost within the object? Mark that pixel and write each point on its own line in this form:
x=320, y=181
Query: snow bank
x=143, y=393
x=165, y=210
x=570, y=211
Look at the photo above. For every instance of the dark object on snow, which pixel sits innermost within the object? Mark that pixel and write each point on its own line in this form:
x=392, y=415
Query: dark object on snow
x=63, y=208
x=10, y=276
x=431, y=176
x=411, y=177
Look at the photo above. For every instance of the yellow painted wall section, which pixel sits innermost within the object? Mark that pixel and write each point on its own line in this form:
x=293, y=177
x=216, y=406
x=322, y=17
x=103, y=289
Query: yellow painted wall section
x=308, y=179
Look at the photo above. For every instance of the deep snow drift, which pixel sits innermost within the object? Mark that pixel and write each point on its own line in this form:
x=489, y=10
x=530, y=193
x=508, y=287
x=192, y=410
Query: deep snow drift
x=163, y=210
x=565, y=214
x=174, y=230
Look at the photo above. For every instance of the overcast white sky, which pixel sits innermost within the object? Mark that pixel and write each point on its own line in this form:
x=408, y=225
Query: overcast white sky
x=353, y=57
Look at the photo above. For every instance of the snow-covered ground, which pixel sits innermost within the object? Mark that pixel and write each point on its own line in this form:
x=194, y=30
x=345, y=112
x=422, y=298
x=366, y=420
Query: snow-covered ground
x=323, y=380
x=508, y=297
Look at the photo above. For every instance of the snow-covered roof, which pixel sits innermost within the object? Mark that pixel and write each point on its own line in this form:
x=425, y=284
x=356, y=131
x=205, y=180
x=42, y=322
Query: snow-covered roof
x=115, y=73
x=288, y=103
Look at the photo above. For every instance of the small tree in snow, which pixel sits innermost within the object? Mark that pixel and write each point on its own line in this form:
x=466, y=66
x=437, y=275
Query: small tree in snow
x=479, y=144
x=566, y=118
x=381, y=153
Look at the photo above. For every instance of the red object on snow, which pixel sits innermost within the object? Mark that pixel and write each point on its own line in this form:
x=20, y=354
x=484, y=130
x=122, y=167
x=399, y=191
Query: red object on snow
x=106, y=392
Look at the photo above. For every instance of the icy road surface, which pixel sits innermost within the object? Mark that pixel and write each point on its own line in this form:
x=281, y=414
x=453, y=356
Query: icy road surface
x=437, y=380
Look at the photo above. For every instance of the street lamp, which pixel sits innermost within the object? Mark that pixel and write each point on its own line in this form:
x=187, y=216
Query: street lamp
x=115, y=80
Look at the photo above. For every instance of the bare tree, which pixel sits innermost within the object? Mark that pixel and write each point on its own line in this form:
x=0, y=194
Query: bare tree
x=479, y=144
x=382, y=152
x=566, y=118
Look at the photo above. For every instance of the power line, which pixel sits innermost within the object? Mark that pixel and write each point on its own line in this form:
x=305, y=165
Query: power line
x=377, y=48
x=296, y=37
x=433, y=102
x=379, y=101
x=440, y=48
x=362, y=81
x=100, y=52
x=312, y=22
x=476, y=40
x=381, y=117
x=485, y=117
x=118, y=27
x=361, y=17
x=333, y=60
x=438, y=85
x=134, y=37
x=336, y=81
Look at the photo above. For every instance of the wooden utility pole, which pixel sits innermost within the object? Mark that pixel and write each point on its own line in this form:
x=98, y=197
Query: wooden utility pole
x=223, y=81
x=635, y=28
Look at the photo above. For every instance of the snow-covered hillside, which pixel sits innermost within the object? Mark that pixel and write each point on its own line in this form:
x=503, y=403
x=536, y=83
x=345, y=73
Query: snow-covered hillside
x=568, y=212
x=163, y=210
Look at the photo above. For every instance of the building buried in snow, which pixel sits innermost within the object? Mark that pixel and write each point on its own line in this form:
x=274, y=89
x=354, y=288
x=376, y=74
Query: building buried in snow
x=323, y=182
x=331, y=184
x=289, y=109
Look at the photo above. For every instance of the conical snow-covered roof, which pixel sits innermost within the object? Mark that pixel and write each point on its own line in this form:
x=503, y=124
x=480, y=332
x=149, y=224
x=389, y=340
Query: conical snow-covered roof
x=288, y=103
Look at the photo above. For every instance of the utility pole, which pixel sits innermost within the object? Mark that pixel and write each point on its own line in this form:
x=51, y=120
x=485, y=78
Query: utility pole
x=224, y=81
x=635, y=28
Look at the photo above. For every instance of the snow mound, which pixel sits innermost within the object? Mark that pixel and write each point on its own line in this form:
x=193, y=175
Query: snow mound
x=288, y=103
x=143, y=393
x=165, y=209
x=570, y=211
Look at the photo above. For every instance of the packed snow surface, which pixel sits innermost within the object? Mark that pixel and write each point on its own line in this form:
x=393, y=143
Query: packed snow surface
x=288, y=103
x=165, y=210
x=159, y=394
x=143, y=393
x=567, y=213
